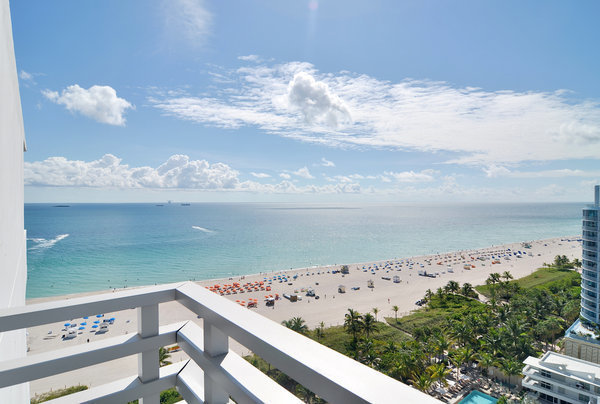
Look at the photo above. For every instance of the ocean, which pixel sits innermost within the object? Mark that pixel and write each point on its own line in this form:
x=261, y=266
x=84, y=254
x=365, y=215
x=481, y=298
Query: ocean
x=88, y=247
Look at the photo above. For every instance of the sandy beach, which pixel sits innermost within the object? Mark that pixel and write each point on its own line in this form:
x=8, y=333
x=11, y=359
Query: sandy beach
x=329, y=308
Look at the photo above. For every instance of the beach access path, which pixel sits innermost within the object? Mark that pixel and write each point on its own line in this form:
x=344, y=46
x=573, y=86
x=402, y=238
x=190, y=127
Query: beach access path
x=330, y=308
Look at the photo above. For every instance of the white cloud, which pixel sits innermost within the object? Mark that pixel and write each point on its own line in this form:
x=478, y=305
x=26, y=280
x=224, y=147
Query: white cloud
x=260, y=175
x=250, y=58
x=476, y=126
x=285, y=176
x=411, y=176
x=178, y=172
x=493, y=171
x=26, y=76
x=327, y=163
x=315, y=101
x=189, y=19
x=496, y=171
x=98, y=102
x=303, y=172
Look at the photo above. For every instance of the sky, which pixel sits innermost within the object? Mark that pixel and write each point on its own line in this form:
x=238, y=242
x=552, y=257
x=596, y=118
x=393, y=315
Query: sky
x=309, y=101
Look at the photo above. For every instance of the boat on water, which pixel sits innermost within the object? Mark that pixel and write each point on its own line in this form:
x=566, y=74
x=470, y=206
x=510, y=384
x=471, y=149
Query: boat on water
x=185, y=204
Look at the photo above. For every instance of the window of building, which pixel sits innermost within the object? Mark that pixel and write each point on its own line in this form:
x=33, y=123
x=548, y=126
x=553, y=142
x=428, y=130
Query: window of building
x=546, y=385
x=546, y=374
x=584, y=398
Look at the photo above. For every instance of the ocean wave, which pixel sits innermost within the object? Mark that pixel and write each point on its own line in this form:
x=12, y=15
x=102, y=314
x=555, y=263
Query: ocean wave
x=42, y=243
x=202, y=229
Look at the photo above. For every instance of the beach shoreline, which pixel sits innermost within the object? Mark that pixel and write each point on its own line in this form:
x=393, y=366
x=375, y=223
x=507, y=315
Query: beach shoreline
x=329, y=308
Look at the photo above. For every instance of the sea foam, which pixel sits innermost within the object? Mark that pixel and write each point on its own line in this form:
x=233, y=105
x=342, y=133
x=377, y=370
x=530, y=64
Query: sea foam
x=42, y=243
x=202, y=229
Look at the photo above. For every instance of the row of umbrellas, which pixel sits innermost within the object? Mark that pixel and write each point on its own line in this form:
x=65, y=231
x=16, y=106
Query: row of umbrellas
x=84, y=323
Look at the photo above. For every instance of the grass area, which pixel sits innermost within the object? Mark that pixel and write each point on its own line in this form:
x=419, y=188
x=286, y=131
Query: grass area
x=51, y=395
x=336, y=337
x=435, y=315
x=544, y=278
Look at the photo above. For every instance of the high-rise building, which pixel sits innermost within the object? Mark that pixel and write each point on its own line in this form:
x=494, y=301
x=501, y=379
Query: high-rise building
x=582, y=339
x=590, y=294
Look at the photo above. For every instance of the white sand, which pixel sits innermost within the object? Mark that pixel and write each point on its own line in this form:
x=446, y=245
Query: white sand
x=329, y=308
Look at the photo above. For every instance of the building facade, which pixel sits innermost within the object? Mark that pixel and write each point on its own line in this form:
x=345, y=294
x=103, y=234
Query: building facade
x=560, y=379
x=590, y=293
x=13, y=257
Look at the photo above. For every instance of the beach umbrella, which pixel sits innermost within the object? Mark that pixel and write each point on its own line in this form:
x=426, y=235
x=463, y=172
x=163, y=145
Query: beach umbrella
x=67, y=324
x=86, y=317
x=112, y=319
x=82, y=328
x=96, y=322
x=84, y=323
x=95, y=326
x=99, y=315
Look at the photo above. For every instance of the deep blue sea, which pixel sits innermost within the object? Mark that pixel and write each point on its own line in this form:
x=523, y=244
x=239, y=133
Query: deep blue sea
x=86, y=247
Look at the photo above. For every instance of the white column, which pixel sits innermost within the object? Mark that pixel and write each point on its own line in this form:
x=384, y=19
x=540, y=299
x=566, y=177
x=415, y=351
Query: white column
x=148, y=366
x=215, y=343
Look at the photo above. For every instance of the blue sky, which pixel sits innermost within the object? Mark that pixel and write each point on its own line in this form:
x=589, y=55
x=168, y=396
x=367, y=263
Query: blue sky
x=320, y=101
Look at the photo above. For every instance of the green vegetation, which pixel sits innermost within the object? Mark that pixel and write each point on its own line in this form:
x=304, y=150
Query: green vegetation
x=520, y=318
x=545, y=278
x=51, y=395
x=163, y=355
x=170, y=396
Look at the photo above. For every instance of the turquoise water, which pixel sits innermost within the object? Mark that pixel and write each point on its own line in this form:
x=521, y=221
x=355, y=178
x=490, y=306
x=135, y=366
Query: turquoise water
x=477, y=397
x=88, y=247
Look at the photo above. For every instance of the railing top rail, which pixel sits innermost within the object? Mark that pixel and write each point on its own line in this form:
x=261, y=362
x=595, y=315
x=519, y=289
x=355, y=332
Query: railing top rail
x=331, y=375
x=50, y=312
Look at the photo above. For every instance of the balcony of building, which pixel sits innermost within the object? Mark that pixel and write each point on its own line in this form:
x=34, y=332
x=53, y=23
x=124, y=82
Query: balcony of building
x=213, y=373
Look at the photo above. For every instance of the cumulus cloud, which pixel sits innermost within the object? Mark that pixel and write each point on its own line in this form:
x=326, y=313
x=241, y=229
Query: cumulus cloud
x=474, y=125
x=97, y=102
x=327, y=163
x=285, y=176
x=315, y=101
x=178, y=172
x=108, y=172
x=260, y=175
x=411, y=176
x=303, y=173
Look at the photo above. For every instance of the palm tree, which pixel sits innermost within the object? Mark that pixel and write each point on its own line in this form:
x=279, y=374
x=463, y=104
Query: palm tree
x=375, y=311
x=395, y=310
x=507, y=276
x=297, y=324
x=438, y=373
x=319, y=331
x=493, y=279
x=441, y=345
x=452, y=287
x=485, y=361
x=163, y=355
x=511, y=367
x=422, y=382
x=428, y=295
x=467, y=290
x=369, y=324
x=352, y=323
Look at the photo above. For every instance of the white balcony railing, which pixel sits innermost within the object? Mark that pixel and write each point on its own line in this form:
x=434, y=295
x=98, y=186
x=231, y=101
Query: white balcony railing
x=213, y=374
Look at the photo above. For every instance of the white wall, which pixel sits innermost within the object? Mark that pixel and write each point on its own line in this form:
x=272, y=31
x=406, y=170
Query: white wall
x=13, y=259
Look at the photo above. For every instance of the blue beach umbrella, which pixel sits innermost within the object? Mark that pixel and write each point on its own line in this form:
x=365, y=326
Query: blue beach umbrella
x=99, y=315
x=67, y=324
x=82, y=328
x=112, y=319
x=84, y=323
x=96, y=322
x=95, y=326
x=86, y=317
